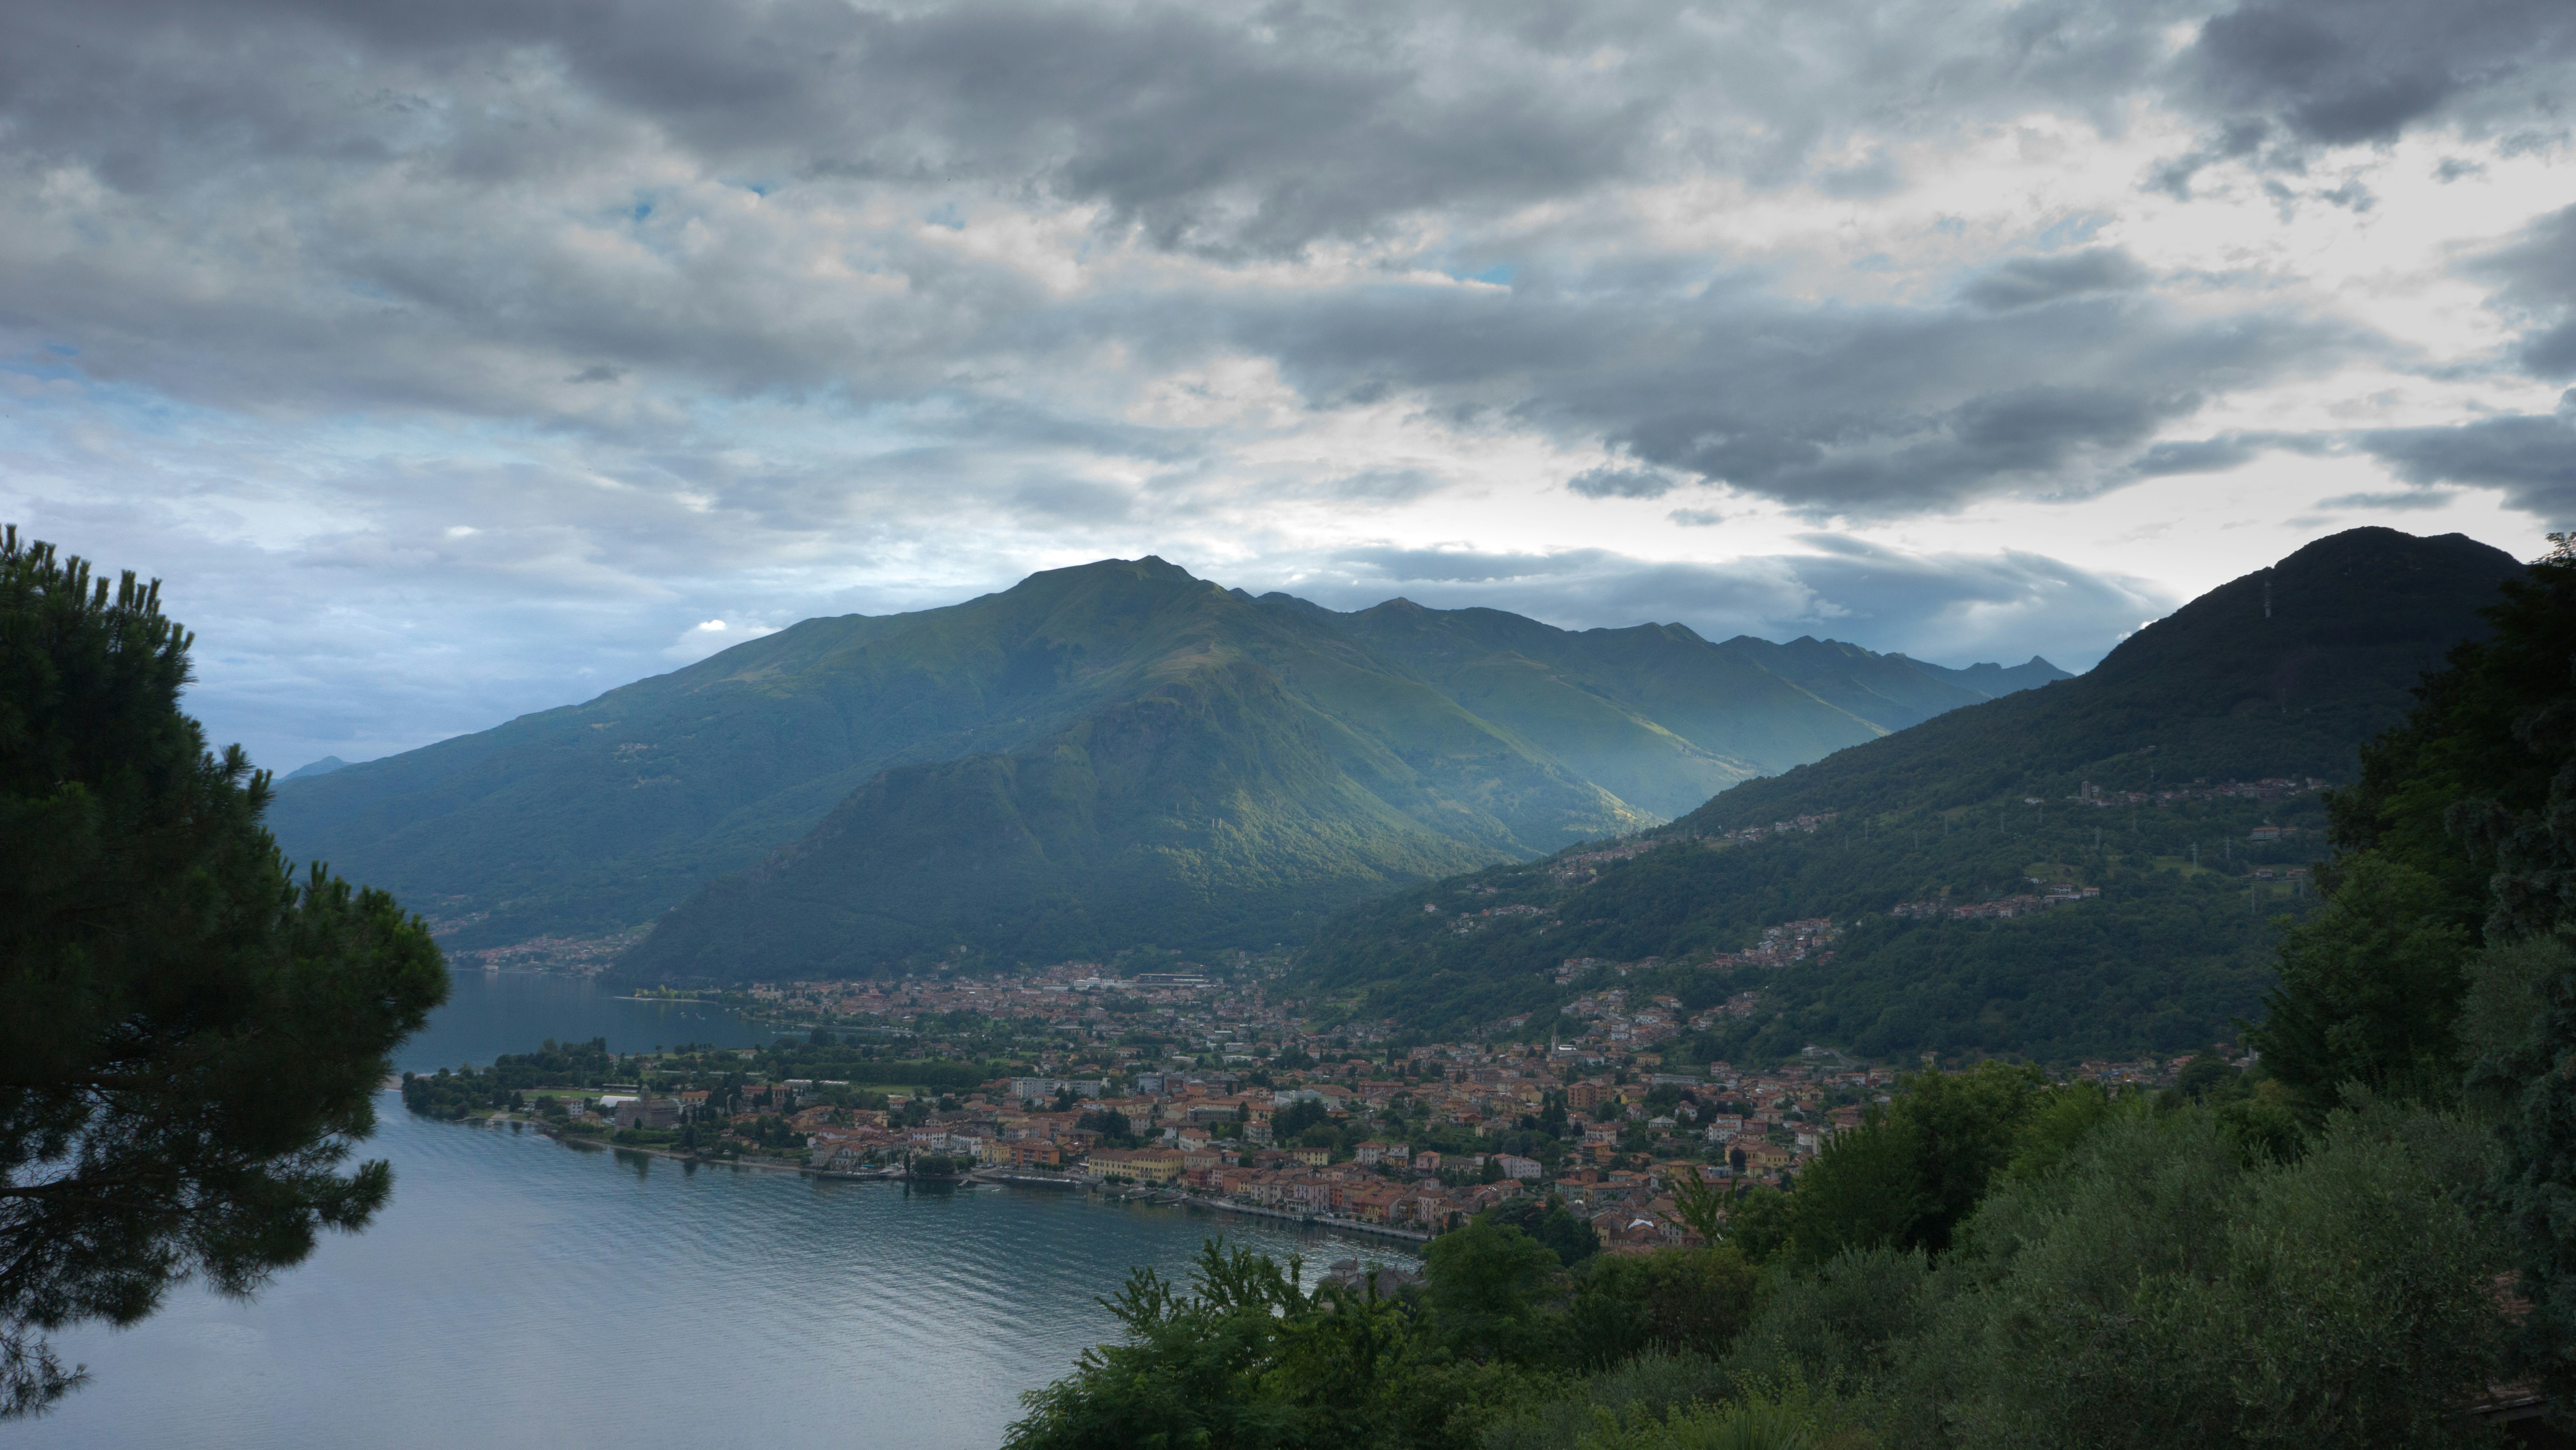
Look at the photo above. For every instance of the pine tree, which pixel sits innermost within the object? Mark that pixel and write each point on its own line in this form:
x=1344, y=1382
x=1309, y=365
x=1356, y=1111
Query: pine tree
x=190, y=1035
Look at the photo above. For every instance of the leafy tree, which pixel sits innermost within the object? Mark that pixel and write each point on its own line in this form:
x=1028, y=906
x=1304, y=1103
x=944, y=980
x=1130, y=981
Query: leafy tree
x=192, y=1035
x=1245, y=1358
x=1296, y=1118
x=1109, y=1123
x=2473, y=788
x=1484, y=1287
x=2474, y=794
x=1907, y=1178
x=2369, y=988
x=1760, y=1221
x=1682, y=1301
x=1546, y=1220
x=2161, y=1289
x=1847, y=1323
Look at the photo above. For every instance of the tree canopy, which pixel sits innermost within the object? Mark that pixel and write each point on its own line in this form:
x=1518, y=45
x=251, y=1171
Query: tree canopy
x=191, y=1033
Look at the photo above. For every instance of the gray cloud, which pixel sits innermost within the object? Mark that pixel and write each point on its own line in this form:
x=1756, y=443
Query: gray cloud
x=2030, y=281
x=1954, y=608
x=2531, y=457
x=447, y=351
x=2536, y=277
x=2207, y=455
x=1834, y=410
x=2416, y=498
x=1620, y=483
x=1237, y=130
x=2227, y=451
x=2339, y=72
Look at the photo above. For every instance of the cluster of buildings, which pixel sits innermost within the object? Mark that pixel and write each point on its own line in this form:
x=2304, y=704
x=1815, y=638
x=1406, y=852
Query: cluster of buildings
x=1790, y=941
x=2145, y=1072
x=2269, y=788
x=1565, y=870
x=2002, y=907
x=1617, y=1139
x=1800, y=825
x=1467, y=921
x=1401, y=1141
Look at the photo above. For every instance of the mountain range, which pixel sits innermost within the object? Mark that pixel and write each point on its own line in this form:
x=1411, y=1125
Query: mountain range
x=1099, y=756
x=2144, y=778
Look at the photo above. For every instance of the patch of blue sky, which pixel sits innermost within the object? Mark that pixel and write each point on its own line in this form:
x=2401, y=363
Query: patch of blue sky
x=1498, y=274
x=2070, y=231
x=120, y=404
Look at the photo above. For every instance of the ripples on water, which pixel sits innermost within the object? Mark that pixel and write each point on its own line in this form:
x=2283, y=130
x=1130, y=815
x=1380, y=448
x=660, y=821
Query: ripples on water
x=518, y=1292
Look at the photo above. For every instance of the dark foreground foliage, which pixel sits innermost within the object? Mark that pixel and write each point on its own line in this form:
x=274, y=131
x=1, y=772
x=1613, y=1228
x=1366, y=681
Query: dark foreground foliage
x=191, y=1033
x=2306, y=1253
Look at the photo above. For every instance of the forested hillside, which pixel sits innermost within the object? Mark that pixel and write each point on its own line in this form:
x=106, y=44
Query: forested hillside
x=2308, y=1244
x=1096, y=757
x=2119, y=780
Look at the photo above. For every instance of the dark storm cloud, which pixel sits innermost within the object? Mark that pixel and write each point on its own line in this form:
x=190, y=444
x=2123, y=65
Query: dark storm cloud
x=1620, y=483
x=383, y=193
x=1941, y=606
x=2536, y=277
x=1236, y=132
x=2206, y=455
x=2531, y=457
x=2030, y=281
x=695, y=302
x=1243, y=129
x=1852, y=411
x=2339, y=72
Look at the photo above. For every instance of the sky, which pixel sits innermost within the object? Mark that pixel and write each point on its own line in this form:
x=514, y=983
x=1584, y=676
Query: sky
x=453, y=361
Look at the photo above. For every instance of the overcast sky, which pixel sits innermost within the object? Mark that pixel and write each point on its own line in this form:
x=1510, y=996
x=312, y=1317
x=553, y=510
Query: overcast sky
x=456, y=360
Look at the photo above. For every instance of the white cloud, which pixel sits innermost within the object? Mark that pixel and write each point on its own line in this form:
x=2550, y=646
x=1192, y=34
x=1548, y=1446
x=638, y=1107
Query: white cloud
x=703, y=639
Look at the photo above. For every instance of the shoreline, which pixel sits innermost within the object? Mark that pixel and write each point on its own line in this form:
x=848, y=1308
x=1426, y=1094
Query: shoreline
x=1090, y=1187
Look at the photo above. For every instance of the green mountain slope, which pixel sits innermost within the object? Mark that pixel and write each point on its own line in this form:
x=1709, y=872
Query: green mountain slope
x=1655, y=713
x=1969, y=807
x=1447, y=739
x=598, y=816
x=1210, y=810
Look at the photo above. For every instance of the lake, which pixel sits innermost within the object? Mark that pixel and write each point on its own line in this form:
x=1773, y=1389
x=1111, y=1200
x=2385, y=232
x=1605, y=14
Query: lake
x=489, y=1013
x=518, y=1292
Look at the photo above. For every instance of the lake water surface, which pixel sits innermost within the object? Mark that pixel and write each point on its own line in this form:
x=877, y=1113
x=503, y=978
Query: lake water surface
x=518, y=1292
x=489, y=1013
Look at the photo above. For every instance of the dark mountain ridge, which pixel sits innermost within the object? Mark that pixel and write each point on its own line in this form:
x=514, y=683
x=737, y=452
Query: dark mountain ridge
x=2283, y=672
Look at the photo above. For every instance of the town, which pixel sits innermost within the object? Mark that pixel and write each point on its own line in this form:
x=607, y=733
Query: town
x=1198, y=1087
